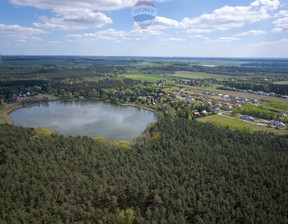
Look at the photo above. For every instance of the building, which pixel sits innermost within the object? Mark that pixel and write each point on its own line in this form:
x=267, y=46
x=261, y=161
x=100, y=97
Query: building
x=247, y=118
x=277, y=124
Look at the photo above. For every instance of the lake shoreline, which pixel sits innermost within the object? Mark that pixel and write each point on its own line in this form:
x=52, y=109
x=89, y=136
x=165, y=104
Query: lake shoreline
x=138, y=106
x=7, y=111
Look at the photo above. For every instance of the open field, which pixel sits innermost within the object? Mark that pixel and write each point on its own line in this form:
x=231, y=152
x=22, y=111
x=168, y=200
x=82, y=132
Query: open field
x=239, y=94
x=148, y=77
x=198, y=75
x=237, y=124
x=281, y=83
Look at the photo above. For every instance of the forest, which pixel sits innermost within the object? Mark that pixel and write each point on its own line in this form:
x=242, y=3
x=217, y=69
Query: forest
x=180, y=170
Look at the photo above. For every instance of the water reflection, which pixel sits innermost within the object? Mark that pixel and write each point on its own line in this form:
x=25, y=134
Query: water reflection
x=88, y=118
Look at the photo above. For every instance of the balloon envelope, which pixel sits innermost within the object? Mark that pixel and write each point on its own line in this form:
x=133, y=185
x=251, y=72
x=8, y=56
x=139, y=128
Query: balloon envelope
x=144, y=12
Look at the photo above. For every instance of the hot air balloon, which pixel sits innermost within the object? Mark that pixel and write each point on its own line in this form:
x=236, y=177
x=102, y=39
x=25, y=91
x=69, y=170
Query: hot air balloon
x=144, y=12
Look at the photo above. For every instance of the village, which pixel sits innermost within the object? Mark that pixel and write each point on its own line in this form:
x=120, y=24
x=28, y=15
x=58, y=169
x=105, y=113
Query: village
x=177, y=99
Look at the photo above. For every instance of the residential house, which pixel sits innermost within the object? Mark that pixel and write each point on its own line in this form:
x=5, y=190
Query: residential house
x=277, y=124
x=196, y=114
x=247, y=118
x=282, y=114
x=216, y=110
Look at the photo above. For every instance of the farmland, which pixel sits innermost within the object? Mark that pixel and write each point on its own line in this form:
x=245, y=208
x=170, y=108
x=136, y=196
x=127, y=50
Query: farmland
x=148, y=77
x=198, y=75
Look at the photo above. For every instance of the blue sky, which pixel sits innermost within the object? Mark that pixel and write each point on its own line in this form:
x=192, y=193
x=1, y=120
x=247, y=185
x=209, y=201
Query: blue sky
x=182, y=28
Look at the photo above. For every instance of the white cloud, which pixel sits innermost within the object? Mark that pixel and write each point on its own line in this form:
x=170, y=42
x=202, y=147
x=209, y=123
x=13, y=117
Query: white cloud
x=218, y=40
x=75, y=22
x=201, y=30
x=174, y=39
x=224, y=39
x=229, y=17
x=164, y=23
x=19, y=33
x=281, y=23
x=251, y=33
x=114, y=35
x=75, y=14
x=66, y=6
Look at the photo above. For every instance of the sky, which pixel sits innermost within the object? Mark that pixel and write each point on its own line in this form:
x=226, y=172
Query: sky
x=181, y=28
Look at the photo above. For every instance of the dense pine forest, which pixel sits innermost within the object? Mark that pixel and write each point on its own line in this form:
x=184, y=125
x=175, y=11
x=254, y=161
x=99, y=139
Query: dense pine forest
x=180, y=171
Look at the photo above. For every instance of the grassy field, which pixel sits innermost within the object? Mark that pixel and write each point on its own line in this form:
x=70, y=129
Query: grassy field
x=281, y=82
x=237, y=124
x=198, y=75
x=148, y=77
x=283, y=106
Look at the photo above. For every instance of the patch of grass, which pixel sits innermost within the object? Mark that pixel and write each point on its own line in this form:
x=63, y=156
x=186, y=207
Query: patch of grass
x=281, y=83
x=148, y=77
x=276, y=104
x=198, y=75
x=237, y=124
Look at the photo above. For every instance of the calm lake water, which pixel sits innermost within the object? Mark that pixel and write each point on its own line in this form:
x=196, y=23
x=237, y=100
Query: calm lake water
x=86, y=118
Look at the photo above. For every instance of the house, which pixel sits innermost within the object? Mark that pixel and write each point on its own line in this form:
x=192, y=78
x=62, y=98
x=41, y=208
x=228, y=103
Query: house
x=247, y=118
x=235, y=101
x=242, y=100
x=282, y=114
x=259, y=92
x=203, y=112
x=234, y=98
x=277, y=124
x=228, y=107
x=196, y=114
x=220, y=95
x=226, y=96
x=216, y=110
x=254, y=100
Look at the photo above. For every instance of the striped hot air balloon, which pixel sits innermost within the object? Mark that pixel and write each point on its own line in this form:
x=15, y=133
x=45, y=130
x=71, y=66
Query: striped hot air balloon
x=144, y=12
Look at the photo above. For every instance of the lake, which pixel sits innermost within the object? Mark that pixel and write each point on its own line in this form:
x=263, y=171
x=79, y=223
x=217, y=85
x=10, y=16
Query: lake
x=86, y=118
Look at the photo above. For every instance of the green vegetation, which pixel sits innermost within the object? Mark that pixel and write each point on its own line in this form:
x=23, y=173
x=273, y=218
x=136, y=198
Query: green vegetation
x=183, y=169
x=257, y=111
x=5, y=109
x=281, y=83
x=234, y=123
x=194, y=173
x=199, y=75
x=276, y=104
x=148, y=77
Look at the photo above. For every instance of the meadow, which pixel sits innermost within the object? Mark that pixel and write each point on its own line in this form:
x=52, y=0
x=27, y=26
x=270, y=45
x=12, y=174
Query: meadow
x=237, y=124
x=199, y=75
x=148, y=77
